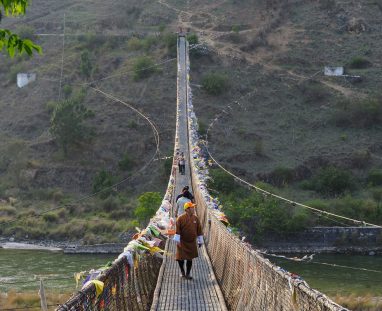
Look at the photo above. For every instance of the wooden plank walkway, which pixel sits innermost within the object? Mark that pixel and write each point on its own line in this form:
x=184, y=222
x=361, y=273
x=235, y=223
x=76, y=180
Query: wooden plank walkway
x=199, y=294
x=173, y=292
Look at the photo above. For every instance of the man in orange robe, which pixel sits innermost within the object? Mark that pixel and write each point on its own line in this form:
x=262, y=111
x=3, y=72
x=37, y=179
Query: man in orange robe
x=188, y=234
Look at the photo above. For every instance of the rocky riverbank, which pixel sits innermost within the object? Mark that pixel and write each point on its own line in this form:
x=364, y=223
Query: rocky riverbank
x=69, y=247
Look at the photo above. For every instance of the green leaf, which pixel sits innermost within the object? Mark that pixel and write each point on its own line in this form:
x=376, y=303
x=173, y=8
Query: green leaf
x=12, y=42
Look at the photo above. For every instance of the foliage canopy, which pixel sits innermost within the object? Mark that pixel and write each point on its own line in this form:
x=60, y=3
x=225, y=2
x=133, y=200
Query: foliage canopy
x=148, y=203
x=67, y=122
x=10, y=41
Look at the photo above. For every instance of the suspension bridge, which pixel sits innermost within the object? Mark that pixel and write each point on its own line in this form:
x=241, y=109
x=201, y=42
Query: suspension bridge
x=228, y=274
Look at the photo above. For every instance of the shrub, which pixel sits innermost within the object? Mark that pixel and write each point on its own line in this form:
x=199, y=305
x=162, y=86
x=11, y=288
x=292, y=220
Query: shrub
x=92, y=41
x=192, y=38
x=86, y=66
x=67, y=123
x=90, y=239
x=134, y=44
x=215, y=83
x=366, y=210
x=202, y=128
x=360, y=113
x=257, y=216
x=99, y=226
x=333, y=181
x=162, y=27
x=170, y=41
x=235, y=28
x=7, y=210
x=375, y=177
x=67, y=90
x=377, y=195
x=144, y=67
x=149, y=41
x=51, y=217
x=132, y=124
x=358, y=62
x=102, y=184
x=313, y=91
x=265, y=186
x=167, y=166
x=119, y=214
x=110, y=204
x=221, y=181
x=148, y=203
x=282, y=176
x=75, y=229
x=126, y=163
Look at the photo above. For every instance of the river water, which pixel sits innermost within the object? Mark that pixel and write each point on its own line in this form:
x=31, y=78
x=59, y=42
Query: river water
x=20, y=270
x=322, y=275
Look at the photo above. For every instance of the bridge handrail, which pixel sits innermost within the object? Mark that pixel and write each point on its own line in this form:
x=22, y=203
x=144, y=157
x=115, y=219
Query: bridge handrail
x=248, y=280
x=130, y=283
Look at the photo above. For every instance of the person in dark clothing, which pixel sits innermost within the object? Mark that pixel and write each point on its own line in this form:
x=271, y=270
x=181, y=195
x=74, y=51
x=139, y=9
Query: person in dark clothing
x=187, y=194
x=182, y=165
x=177, y=157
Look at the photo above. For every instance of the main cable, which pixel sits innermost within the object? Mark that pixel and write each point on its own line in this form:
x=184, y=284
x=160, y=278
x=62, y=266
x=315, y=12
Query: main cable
x=306, y=259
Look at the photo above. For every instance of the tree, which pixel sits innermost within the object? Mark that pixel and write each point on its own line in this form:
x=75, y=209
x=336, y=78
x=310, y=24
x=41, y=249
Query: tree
x=215, y=83
x=221, y=181
x=126, y=163
x=144, y=67
x=86, y=65
x=148, y=203
x=103, y=183
x=67, y=122
x=10, y=41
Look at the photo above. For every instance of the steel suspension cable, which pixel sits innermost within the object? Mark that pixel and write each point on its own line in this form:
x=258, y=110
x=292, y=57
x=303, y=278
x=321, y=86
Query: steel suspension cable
x=319, y=263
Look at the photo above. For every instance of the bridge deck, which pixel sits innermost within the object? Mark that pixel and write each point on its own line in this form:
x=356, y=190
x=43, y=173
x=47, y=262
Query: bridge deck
x=201, y=293
x=175, y=293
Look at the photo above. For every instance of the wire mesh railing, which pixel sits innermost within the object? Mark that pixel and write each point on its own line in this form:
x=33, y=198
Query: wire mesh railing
x=248, y=280
x=129, y=284
x=124, y=288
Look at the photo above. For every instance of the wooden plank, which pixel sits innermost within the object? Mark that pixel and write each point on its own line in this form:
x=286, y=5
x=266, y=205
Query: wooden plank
x=175, y=293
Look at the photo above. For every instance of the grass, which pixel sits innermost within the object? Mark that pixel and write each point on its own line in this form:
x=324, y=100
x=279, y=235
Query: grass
x=96, y=221
x=14, y=299
x=356, y=303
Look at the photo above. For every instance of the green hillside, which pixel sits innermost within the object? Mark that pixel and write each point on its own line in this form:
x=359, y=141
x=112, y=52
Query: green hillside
x=285, y=123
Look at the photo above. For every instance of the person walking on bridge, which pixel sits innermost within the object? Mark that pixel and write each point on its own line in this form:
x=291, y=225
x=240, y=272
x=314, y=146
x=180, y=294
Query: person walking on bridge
x=188, y=234
x=180, y=205
x=182, y=164
x=187, y=194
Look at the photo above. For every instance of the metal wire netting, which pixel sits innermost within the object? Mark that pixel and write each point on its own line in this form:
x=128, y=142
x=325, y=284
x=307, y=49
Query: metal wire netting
x=124, y=288
x=249, y=281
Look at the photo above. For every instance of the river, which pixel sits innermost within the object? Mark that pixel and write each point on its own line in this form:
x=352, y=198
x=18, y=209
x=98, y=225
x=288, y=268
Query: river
x=322, y=275
x=20, y=270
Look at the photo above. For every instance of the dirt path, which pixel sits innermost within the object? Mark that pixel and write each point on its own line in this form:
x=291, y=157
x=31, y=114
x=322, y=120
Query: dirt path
x=209, y=37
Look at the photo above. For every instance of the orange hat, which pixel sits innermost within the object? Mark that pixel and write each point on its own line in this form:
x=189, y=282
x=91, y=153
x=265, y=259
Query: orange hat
x=188, y=205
